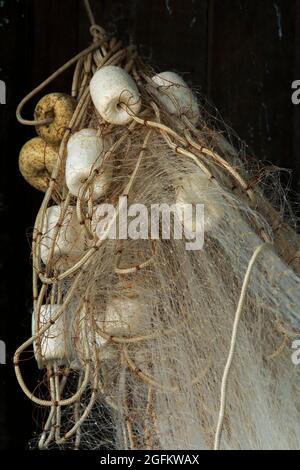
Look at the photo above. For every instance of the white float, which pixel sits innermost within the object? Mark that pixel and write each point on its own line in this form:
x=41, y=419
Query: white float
x=61, y=241
x=111, y=87
x=54, y=343
x=175, y=95
x=198, y=189
x=85, y=153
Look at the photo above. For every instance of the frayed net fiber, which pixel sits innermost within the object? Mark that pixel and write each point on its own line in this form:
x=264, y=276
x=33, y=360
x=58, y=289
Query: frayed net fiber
x=133, y=336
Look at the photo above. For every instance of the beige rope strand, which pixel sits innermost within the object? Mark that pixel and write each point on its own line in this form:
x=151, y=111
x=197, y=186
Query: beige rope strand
x=46, y=82
x=227, y=368
x=89, y=12
x=43, y=443
x=94, y=363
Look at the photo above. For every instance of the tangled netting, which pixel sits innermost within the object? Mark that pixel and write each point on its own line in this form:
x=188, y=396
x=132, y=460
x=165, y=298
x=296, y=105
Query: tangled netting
x=154, y=377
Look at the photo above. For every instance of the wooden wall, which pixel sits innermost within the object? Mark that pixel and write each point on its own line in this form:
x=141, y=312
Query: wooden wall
x=242, y=54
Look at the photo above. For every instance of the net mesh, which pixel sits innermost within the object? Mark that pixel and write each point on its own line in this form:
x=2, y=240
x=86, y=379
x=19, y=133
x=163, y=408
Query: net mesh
x=149, y=375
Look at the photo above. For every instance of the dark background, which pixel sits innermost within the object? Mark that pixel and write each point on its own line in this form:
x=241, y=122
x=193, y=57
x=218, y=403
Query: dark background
x=243, y=55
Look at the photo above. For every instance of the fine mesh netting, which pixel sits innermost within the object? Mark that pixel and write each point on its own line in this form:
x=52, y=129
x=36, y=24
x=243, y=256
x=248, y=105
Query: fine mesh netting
x=132, y=335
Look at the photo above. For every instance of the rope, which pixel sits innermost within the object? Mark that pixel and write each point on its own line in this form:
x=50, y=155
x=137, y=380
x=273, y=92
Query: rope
x=227, y=368
x=89, y=12
x=46, y=82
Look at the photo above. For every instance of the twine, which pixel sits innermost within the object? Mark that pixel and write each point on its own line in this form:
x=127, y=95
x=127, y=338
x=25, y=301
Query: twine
x=233, y=342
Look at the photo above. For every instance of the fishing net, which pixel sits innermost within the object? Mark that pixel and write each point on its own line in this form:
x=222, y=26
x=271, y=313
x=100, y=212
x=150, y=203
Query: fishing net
x=143, y=343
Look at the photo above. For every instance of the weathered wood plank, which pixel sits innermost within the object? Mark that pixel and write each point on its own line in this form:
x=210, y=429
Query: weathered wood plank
x=252, y=71
x=16, y=215
x=296, y=109
x=171, y=34
x=243, y=53
x=54, y=38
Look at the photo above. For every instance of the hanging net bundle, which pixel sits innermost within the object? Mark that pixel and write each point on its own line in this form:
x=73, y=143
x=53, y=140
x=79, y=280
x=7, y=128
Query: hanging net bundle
x=143, y=343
